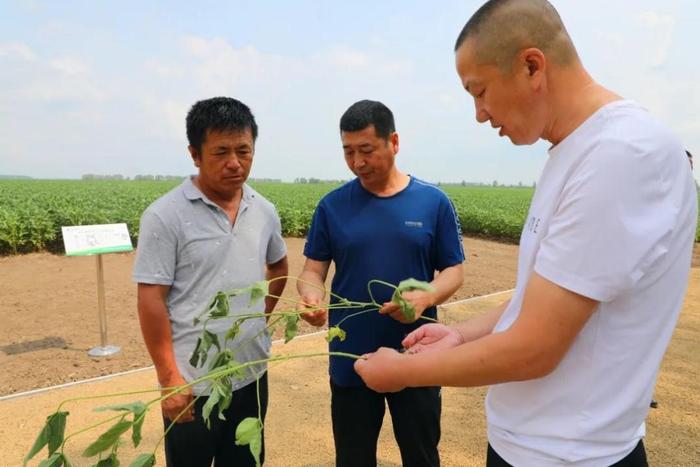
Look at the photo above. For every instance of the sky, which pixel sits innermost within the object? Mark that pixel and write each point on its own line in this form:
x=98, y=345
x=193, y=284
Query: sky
x=104, y=87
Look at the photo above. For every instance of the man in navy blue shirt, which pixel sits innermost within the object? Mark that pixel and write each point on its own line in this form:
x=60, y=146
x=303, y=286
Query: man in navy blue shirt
x=390, y=226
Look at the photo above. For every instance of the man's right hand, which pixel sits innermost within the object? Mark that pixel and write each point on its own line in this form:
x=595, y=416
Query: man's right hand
x=315, y=316
x=431, y=337
x=174, y=405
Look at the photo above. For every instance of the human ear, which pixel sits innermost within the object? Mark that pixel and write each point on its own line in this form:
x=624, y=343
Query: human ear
x=533, y=60
x=394, y=140
x=195, y=155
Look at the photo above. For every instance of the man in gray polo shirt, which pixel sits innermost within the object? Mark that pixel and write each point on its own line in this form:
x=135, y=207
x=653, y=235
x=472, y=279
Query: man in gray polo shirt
x=212, y=233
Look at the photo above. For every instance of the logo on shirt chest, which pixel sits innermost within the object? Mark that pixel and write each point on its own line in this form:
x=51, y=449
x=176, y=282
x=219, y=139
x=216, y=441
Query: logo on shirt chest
x=533, y=224
x=415, y=224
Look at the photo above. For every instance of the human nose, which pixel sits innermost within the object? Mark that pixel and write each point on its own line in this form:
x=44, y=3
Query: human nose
x=358, y=161
x=233, y=163
x=481, y=114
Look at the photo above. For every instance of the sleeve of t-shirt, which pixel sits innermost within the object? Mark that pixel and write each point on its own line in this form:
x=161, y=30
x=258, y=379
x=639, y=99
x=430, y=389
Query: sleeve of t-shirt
x=318, y=246
x=155, y=252
x=276, y=248
x=612, y=223
x=448, y=237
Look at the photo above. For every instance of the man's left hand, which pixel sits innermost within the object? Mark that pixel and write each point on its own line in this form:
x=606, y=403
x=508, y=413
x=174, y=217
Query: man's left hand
x=421, y=300
x=381, y=370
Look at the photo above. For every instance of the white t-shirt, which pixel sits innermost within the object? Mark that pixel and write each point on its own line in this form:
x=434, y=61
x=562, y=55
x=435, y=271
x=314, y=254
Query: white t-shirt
x=613, y=219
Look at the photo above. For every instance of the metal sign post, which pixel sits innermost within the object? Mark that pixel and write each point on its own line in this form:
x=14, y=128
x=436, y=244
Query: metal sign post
x=104, y=349
x=85, y=240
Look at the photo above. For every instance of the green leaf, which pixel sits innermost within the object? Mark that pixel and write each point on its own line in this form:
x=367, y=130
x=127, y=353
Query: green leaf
x=407, y=309
x=133, y=407
x=139, y=417
x=237, y=373
x=290, y=326
x=219, y=306
x=201, y=349
x=258, y=291
x=194, y=359
x=413, y=284
x=334, y=332
x=110, y=461
x=52, y=434
x=209, y=405
x=233, y=331
x=225, y=402
x=107, y=439
x=144, y=460
x=211, y=339
x=249, y=432
x=221, y=359
x=55, y=460
x=57, y=428
x=138, y=409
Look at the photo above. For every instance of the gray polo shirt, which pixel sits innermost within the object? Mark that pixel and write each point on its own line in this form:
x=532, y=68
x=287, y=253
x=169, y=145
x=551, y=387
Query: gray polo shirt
x=187, y=242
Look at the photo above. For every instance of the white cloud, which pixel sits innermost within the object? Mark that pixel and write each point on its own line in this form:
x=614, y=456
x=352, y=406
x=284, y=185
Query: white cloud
x=69, y=66
x=17, y=50
x=661, y=27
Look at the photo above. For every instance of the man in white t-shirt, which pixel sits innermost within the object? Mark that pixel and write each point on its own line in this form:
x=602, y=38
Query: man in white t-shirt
x=603, y=264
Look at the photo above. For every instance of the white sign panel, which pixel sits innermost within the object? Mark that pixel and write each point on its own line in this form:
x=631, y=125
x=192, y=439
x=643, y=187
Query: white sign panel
x=83, y=240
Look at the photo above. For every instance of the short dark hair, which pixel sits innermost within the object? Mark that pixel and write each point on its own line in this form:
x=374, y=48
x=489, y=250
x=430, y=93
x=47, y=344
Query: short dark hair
x=218, y=114
x=501, y=28
x=364, y=113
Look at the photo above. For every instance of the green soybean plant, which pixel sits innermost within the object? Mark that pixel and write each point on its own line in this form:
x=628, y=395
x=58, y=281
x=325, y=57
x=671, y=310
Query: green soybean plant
x=222, y=371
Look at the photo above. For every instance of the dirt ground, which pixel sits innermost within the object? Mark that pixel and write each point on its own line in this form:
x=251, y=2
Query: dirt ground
x=47, y=311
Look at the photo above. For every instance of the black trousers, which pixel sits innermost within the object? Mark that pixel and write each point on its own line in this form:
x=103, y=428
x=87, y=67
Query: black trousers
x=636, y=458
x=194, y=445
x=357, y=414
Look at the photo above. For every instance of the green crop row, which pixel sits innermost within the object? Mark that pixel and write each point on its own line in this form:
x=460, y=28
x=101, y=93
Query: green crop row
x=33, y=211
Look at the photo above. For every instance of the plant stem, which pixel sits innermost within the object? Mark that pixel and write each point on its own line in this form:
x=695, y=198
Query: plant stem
x=173, y=422
x=356, y=314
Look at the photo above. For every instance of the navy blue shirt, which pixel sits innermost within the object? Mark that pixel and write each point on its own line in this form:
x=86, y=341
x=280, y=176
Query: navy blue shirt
x=411, y=234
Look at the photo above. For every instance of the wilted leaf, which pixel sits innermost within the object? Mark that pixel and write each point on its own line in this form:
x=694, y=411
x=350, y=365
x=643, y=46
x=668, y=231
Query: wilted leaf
x=290, y=326
x=107, y=439
x=413, y=284
x=110, y=461
x=133, y=407
x=211, y=339
x=219, y=307
x=407, y=309
x=194, y=359
x=249, y=432
x=334, y=332
x=209, y=405
x=221, y=359
x=237, y=373
x=233, y=331
x=258, y=291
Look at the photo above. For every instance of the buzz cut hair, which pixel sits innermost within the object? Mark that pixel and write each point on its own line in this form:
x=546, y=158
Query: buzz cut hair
x=500, y=29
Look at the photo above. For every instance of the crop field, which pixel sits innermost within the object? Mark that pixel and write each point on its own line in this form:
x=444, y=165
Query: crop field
x=33, y=211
